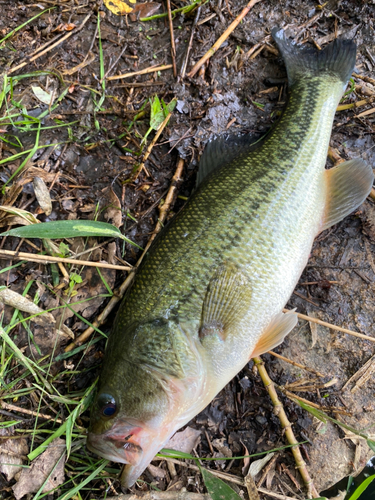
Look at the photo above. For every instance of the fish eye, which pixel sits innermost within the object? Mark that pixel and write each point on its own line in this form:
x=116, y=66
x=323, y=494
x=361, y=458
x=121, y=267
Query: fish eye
x=107, y=405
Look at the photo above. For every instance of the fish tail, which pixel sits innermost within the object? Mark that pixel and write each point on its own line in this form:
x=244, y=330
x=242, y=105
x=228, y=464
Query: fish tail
x=337, y=59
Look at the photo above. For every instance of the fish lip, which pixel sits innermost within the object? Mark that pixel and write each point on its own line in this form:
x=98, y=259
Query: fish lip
x=118, y=447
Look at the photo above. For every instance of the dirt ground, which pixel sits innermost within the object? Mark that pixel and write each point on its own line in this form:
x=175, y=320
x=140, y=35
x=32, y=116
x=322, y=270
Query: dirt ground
x=91, y=136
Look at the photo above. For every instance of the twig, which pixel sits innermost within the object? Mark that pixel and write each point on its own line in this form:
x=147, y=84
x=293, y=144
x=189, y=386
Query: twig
x=353, y=105
x=334, y=327
x=150, y=146
x=364, y=78
x=145, y=71
x=222, y=475
x=173, y=46
x=7, y=406
x=48, y=259
x=190, y=44
x=296, y=398
x=115, y=62
x=39, y=54
x=286, y=425
x=222, y=39
x=294, y=363
x=119, y=293
x=305, y=298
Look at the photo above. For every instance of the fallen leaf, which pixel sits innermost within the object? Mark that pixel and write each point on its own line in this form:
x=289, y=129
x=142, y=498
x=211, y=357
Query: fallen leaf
x=12, y=454
x=184, y=440
x=119, y=7
x=144, y=10
x=53, y=459
x=42, y=195
x=258, y=465
x=20, y=302
x=112, y=206
x=43, y=96
x=64, y=27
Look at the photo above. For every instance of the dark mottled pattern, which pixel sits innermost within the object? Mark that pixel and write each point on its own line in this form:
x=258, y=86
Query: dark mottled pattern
x=175, y=275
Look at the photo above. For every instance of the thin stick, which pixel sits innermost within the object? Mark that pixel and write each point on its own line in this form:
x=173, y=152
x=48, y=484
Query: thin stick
x=119, y=293
x=294, y=363
x=114, y=63
x=334, y=327
x=145, y=71
x=287, y=426
x=151, y=145
x=7, y=406
x=353, y=105
x=222, y=39
x=39, y=54
x=190, y=44
x=48, y=259
x=173, y=46
x=227, y=477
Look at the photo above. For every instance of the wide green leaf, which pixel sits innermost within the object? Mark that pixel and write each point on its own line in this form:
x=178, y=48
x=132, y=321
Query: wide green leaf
x=217, y=488
x=68, y=229
x=65, y=229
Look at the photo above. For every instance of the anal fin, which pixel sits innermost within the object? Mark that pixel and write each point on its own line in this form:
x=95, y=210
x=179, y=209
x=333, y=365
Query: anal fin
x=278, y=329
x=348, y=185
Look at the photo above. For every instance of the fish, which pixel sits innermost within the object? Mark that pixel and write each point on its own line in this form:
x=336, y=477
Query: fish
x=210, y=293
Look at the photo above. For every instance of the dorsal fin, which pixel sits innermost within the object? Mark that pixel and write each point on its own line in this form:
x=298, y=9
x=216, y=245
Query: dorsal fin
x=348, y=185
x=220, y=151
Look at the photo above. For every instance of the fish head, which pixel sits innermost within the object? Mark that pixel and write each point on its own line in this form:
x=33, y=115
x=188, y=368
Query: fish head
x=143, y=397
x=120, y=434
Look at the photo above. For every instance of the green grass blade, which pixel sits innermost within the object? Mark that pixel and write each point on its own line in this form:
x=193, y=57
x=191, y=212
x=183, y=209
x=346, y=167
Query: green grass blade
x=18, y=353
x=362, y=487
x=29, y=156
x=11, y=33
x=89, y=478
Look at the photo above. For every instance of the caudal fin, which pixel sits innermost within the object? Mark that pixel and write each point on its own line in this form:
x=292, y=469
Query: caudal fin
x=337, y=59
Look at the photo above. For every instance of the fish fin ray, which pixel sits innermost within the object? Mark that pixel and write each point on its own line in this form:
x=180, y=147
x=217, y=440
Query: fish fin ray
x=349, y=183
x=338, y=58
x=222, y=150
x=277, y=330
x=227, y=298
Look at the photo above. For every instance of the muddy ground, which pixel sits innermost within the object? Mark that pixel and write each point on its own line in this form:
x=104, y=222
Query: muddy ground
x=91, y=169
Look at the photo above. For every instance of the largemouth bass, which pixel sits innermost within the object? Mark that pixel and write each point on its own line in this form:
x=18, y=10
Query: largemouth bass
x=210, y=293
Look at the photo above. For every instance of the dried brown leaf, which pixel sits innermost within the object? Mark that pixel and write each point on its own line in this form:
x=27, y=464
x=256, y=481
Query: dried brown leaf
x=12, y=453
x=32, y=479
x=42, y=195
x=185, y=440
x=20, y=302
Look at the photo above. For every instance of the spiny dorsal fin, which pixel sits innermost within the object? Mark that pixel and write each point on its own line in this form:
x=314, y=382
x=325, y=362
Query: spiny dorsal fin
x=278, y=329
x=227, y=299
x=222, y=150
x=348, y=185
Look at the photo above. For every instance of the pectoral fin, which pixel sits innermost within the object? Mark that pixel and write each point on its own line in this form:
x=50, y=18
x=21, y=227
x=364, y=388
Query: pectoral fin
x=278, y=329
x=227, y=299
x=348, y=186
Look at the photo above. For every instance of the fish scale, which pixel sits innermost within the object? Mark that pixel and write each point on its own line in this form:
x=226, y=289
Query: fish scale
x=210, y=292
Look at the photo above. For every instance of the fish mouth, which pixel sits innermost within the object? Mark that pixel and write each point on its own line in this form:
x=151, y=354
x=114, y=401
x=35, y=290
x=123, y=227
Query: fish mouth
x=123, y=448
